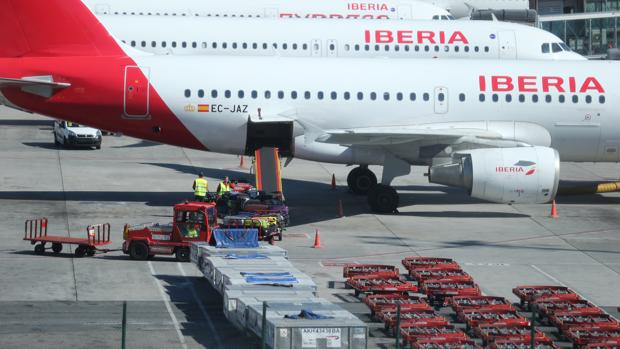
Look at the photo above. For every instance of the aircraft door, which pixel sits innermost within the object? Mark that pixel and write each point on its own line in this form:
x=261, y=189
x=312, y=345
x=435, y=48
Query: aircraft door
x=136, y=103
x=507, y=45
x=271, y=12
x=441, y=100
x=316, y=48
x=404, y=12
x=332, y=48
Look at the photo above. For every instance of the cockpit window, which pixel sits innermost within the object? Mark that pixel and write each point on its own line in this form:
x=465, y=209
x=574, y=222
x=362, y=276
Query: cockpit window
x=565, y=47
x=435, y=17
x=451, y=17
x=556, y=47
x=545, y=48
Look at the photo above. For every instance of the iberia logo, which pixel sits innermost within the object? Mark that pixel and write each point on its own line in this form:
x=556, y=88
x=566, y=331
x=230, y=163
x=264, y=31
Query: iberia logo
x=528, y=168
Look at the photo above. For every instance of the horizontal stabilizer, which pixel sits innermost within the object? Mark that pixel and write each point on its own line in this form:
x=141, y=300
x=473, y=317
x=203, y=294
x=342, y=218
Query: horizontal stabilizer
x=43, y=86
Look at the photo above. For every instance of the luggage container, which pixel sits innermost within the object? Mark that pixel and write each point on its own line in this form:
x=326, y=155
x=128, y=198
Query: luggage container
x=564, y=321
x=581, y=336
x=523, y=344
x=416, y=262
x=332, y=327
x=475, y=317
x=351, y=270
x=460, y=303
x=411, y=334
x=492, y=332
x=446, y=343
x=412, y=317
x=210, y=264
x=607, y=344
x=201, y=250
x=528, y=294
x=380, y=284
x=262, y=278
x=438, y=290
x=546, y=307
x=381, y=302
x=422, y=274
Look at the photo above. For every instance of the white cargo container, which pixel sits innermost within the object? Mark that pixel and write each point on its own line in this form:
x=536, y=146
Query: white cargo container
x=261, y=278
x=201, y=250
x=341, y=330
x=211, y=264
x=236, y=302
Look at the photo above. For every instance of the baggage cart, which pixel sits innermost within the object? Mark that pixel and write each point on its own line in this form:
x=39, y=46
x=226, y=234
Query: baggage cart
x=308, y=326
x=492, y=332
x=564, y=321
x=475, y=317
x=97, y=236
x=546, y=307
x=581, y=336
x=411, y=334
x=460, y=303
x=414, y=317
x=446, y=343
x=351, y=270
x=439, y=290
x=268, y=226
x=380, y=284
x=381, y=302
x=528, y=294
x=523, y=344
x=613, y=343
x=422, y=274
x=416, y=262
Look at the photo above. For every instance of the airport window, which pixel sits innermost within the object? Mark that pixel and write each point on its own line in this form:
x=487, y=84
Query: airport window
x=535, y=98
x=521, y=98
x=153, y=44
x=320, y=95
x=267, y=94
x=213, y=93
x=508, y=98
x=462, y=97
x=425, y=96
x=399, y=96
x=133, y=43
x=436, y=48
x=575, y=99
x=441, y=97
x=201, y=93
x=254, y=94
x=240, y=94
x=357, y=47
x=601, y=99
x=188, y=93
x=143, y=44
x=307, y=95
x=544, y=48
x=555, y=47
x=280, y=94
x=588, y=99
x=174, y=44
x=481, y=97
x=495, y=97
x=227, y=93
x=184, y=44
x=486, y=49
x=360, y=96
x=333, y=95
x=386, y=96
x=234, y=45
x=561, y=98
x=548, y=98
x=373, y=96
x=244, y=45
x=293, y=94
x=347, y=96
x=466, y=48
x=412, y=96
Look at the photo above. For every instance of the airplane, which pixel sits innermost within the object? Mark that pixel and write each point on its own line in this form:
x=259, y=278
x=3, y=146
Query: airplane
x=496, y=128
x=329, y=38
x=334, y=9
x=460, y=9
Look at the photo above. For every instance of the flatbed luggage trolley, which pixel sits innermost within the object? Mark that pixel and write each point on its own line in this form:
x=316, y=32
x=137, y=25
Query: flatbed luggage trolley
x=98, y=235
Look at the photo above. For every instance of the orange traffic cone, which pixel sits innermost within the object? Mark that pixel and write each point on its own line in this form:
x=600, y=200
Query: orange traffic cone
x=333, y=181
x=317, y=239
x=554, y=210
x=340, y=209
x=242, y=162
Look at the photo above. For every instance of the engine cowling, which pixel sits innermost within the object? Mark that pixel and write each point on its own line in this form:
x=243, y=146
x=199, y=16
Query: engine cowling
x=504, y=175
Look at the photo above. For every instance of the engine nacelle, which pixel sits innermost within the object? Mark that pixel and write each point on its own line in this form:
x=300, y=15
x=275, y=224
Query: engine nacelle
x=505, y=175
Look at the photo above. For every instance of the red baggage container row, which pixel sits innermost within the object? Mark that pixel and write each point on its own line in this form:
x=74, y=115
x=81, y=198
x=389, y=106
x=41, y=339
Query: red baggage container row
x=492, y=332
x=381, y=302
x=413, y=262
x=565, y=321
x=422, y=274
x=475, y=317
x=548, y=306
x=413, y=317
x=528, y=294
x=439, y=290
x=523, y=344
x=446, y=343
x=592, y=334
x=414, y=333
x=369, y=269
x=608, y=344
x=380, y=284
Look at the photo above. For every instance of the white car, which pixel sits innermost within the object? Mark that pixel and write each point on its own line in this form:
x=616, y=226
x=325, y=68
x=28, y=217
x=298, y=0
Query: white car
x=68, y=133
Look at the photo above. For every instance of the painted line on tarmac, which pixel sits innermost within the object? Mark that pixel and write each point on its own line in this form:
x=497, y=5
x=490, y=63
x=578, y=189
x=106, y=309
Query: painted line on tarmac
x=547, y=275
x=166, y=299
x=202, y=308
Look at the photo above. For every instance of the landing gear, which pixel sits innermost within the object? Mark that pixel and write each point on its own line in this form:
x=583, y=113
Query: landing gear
x=361, y=179
x=383, y=199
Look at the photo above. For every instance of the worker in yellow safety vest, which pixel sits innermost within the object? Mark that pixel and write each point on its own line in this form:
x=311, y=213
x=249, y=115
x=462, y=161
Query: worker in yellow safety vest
x=200, y=186
x=223, y=187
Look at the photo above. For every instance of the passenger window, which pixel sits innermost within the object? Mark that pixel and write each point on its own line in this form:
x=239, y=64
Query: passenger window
x=555, y=47
x=462, y=97
x=234, y=45
x=267, y=94
x=204, y=44
x=446, y=48
x=254, y=46
x=332, y=47
x=307, y=95
x=320, y=95
x=495, y=97
x=425, y=96
x=163, y=44
x=575, y=99
x=174, y=44
x=194, y=44
x=241, y=94
x=143, y=44
x=407, y=48
x=535, y=98
x=224, y=45
x=265, y=45
x=601, y=99
x=417, y=48
x=357, y=47
x=544, y=48
x=280, y=94
x=561, y=98
x=294, y=46
x=347, y=96
x=133, y=43
x=373, y=96
x=293, y=94
x=184, y=44
x=396, y=48
x=412, y=96
x=333, y=95
x=521, y=98
x=476, y=48
x=366, y=47
x=481, y=97
x=201, y=93
x=284, y=46
x=227, y=93
x=588, y=99
x=466, y=48
x=441, y=97
x=377, y=47
x=387, y=47
x=456, y=48
x=548, y=98
x=213, y=93
x=386, y=96
x=486, y=49
x=188, y=93
x=436, y=48
x=360, y=96
x=304, y=47
x=214, y=45
x=399, y=96
x=244, y=45
x=426, y=48
x=508, y=98
x=153, y=44
x=254, y=94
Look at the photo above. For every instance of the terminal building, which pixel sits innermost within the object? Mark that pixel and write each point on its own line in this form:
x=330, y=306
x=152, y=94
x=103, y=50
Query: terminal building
x=589, y=27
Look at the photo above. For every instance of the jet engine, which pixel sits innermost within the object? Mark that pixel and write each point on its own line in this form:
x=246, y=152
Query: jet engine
x=504, y=175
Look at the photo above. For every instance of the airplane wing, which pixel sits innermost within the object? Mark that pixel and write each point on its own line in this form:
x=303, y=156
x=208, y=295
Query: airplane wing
x=43, y=86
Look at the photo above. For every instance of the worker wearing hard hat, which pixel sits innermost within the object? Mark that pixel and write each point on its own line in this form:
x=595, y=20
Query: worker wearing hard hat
x=200, y=186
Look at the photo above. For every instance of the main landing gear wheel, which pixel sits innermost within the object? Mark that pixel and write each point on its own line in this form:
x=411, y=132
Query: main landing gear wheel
x=383, y=199
x=360, y=180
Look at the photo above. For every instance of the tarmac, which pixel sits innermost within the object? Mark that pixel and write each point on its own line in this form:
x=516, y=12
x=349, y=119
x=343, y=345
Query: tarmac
x=65, y=302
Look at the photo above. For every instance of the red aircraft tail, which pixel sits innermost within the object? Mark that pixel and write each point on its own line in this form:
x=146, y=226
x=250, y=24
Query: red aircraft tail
x=52, y=28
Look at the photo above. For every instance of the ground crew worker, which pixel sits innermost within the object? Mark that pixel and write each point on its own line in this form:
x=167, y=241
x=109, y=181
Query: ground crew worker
x=200, y=186
x=223, y=187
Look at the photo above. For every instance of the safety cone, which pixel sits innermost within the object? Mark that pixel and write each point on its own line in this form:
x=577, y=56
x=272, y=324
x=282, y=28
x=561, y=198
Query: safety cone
x=554, y=210
x=340, y=209
x=317, y=239
x=333, y=181
x=242, y=162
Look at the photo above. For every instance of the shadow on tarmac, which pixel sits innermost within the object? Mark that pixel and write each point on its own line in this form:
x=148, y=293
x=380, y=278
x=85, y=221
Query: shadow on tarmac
x=26, y=122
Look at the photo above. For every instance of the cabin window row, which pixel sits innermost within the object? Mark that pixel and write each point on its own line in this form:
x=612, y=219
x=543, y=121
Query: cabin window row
x=320, y=95
x=535, y=98
x=182, y=14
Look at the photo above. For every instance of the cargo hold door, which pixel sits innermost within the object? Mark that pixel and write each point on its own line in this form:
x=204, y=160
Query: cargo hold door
x=136, y=103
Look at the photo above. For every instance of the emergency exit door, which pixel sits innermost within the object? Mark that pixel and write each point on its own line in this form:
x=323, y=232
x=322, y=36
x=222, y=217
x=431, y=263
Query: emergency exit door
x=507, y=45
x=316, y=48
x=136, y=103
x=441, y=100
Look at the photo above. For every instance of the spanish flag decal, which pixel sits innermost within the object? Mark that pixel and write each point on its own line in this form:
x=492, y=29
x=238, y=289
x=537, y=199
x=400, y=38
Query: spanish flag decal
x=203, y=108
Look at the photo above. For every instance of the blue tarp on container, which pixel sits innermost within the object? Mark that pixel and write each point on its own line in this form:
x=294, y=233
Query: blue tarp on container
x=245, y=256
x=258, y=274
x=271, y=280
x=236, y=238
x=308, y=315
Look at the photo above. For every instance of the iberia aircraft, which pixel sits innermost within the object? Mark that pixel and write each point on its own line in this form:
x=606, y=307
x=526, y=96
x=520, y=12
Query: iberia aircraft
x=335, y=9
x=496, y=128
x=329, y=38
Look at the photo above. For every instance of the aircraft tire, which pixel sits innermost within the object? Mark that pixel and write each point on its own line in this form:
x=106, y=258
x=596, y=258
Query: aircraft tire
x=360, y=180
x=383, y=199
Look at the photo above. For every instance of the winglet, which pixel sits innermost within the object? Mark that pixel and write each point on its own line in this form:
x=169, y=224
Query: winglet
x=311, y=131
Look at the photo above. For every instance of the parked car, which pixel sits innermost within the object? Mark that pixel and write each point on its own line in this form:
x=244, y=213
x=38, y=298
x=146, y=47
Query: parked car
x=69, y=133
